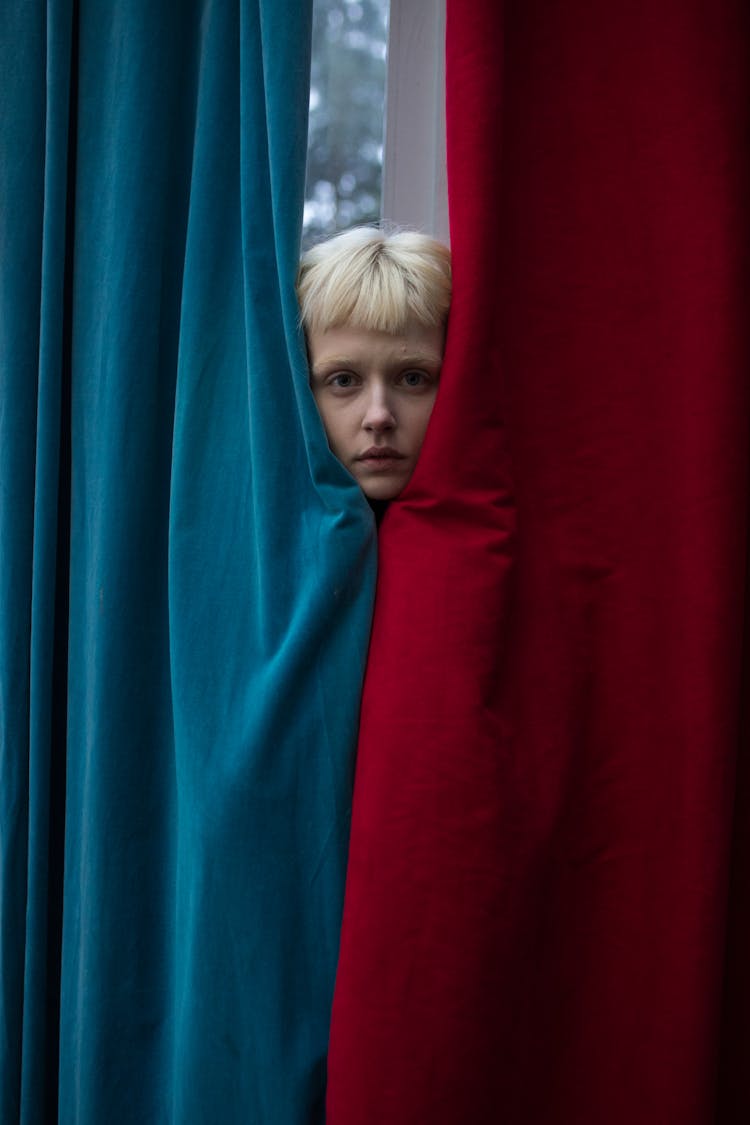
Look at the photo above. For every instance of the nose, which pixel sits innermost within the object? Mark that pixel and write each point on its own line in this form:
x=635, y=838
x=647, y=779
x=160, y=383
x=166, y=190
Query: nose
x=379, y=417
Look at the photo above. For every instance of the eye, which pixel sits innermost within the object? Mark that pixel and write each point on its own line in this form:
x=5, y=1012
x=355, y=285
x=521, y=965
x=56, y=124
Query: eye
x=342, y=380
x=415, y=378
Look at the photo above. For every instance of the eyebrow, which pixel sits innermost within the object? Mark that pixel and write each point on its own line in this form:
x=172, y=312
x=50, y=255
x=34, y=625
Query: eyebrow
x=421, y=359
x=415, y=359
x=332, y=361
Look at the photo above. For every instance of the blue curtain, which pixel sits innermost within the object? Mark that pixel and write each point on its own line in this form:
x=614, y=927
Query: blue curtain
x=186, y=574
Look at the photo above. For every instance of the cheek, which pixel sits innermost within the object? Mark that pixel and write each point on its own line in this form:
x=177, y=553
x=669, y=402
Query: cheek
x=420, y=417
x=336, y=422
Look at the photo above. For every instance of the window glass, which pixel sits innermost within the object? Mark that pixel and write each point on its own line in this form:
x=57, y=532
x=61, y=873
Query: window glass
x=347, y=115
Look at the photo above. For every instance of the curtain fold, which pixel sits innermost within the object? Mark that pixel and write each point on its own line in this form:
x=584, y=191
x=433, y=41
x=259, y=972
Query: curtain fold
x=545, y=906
x=35, y=57
x=176, y=780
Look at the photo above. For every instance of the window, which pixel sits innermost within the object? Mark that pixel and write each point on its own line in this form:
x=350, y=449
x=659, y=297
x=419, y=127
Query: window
x=347, y=100
x=355, y=172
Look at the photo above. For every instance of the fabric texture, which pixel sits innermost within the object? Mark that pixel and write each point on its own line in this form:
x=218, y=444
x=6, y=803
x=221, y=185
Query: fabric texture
x=186, y=575
x=546, y=905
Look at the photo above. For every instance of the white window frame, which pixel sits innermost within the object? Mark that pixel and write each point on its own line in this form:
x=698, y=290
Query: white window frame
x=415, y=185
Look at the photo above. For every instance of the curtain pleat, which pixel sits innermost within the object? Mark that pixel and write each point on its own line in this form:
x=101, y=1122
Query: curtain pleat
x=35, y=61
x=545, y=907
x=187, y=576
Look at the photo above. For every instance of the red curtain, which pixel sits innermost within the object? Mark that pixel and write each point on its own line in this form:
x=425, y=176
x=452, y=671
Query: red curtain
x=547, y=903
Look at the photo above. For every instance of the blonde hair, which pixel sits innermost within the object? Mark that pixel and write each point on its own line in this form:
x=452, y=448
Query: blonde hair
x=372, y=279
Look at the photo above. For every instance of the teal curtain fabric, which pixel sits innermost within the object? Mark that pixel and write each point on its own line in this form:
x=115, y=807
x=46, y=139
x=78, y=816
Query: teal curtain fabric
x=186, y=575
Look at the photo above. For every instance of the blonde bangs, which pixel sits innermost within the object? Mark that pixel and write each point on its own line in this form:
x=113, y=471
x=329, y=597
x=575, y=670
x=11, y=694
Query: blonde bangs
x=375, y=281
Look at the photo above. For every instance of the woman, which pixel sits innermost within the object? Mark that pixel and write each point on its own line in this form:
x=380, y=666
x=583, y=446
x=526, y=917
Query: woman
x=374, y=308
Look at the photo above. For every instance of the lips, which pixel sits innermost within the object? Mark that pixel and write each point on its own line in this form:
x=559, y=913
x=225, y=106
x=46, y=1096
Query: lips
x=381, y=453
x=381, y=459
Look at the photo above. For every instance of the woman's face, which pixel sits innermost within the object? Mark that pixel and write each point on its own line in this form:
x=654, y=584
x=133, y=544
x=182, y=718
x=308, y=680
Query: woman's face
x=375, y=393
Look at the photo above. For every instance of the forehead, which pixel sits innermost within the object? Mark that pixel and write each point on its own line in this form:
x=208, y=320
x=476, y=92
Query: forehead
x=416, y=340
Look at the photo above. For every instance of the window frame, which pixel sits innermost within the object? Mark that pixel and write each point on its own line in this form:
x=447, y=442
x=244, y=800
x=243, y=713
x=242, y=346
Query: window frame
x=415, y=182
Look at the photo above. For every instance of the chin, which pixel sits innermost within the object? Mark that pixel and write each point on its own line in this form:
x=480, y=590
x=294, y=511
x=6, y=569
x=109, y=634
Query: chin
x=383, y=490
x=385, y=486
x=383, y=494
